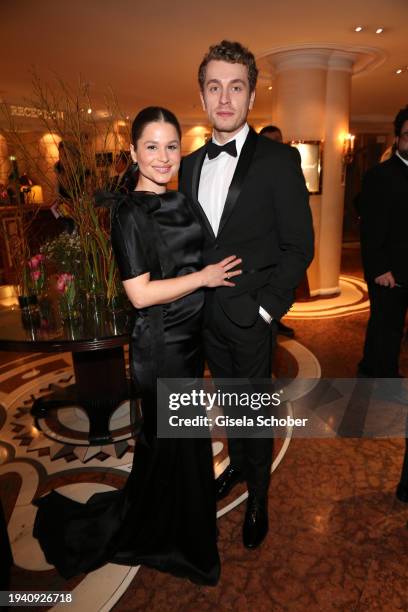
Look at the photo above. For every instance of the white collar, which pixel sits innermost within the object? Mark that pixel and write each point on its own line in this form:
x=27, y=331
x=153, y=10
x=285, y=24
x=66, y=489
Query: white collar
x=239, y=138
x=401, y=158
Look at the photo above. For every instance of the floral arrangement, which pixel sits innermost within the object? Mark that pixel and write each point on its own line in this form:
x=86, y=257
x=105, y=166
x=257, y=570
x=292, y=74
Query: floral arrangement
x=37, y=272
x=63, y=253
x=66, y=287
x=81, y=138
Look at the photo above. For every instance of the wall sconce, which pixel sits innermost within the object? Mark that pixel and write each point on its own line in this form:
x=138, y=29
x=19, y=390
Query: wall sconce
x=35, y=195
x=348, y=148
x=348, y=154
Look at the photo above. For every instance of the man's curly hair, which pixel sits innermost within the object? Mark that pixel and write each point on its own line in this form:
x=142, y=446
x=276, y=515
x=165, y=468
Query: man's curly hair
x=234, y=53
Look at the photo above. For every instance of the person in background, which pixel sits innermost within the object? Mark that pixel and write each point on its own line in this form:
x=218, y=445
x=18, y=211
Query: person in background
x=274, y=133
x=125, y=178
x=4, y=196
x=70, y=181
x=384, y=249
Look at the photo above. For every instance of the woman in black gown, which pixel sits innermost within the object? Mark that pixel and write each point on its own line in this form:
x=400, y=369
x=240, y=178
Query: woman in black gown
x=165, y=517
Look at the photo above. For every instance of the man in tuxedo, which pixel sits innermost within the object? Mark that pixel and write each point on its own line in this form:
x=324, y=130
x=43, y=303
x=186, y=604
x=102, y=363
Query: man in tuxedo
x=250, y=195
x=383, y=206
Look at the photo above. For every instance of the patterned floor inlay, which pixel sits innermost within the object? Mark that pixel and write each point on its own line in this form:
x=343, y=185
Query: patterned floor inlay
x=53, y=453
x=337, y=538
x=353, y=299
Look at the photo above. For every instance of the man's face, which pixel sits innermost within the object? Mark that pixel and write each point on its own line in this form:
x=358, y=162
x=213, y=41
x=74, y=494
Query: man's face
x=226, y=97
x=402, y=141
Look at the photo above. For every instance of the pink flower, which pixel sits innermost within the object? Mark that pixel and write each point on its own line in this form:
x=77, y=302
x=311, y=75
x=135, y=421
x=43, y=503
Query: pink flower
x=61, y=284
x=33, y=262
x=35, y=274
x=63, y=281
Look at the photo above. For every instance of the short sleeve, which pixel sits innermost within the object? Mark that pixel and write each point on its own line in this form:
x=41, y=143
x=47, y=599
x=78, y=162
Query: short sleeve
x=127, y=242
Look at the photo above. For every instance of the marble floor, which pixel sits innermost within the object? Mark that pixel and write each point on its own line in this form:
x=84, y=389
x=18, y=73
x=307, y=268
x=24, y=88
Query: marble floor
x=338, y=536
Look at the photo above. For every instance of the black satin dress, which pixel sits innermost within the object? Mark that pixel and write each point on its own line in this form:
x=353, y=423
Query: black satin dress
x=165, y=517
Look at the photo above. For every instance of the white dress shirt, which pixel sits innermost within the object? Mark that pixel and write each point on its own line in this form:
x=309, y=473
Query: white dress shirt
x=215, y=179
x=401, y=158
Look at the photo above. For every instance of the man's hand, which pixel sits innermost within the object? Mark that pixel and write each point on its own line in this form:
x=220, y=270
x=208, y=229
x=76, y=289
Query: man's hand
x=386, y=280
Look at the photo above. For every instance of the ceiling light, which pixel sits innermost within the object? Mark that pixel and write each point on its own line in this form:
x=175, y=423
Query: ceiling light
x=358, y=29
x=270, y=87
x=379, y=30
x=398, y=71
x=89, y=111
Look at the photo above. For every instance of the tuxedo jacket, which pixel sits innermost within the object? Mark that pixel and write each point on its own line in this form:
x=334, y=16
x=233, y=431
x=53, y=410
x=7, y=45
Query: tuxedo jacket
x=266, y=221
x=384, y=220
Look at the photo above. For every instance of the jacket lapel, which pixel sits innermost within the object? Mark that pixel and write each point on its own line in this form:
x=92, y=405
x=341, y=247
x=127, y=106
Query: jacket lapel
x=198, y=164
x=400, y=166
x=240, y=173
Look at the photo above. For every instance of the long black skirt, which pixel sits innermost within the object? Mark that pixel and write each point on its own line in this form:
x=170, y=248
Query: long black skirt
x=164, y=517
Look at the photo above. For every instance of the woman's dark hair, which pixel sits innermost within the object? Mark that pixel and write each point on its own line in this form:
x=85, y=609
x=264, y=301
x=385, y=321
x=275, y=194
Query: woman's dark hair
x=234, y=53
x=149, y=115
x=400, y=119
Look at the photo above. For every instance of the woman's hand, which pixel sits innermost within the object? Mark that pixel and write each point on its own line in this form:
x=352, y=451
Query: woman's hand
x=143, y=292
x=219, y=274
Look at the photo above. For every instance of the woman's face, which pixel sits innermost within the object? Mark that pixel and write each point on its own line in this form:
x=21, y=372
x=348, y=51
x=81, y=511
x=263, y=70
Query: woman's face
x=157, y=154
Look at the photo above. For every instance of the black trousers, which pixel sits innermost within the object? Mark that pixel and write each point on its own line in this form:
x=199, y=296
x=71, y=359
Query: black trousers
x=385, y=328
x=237, y=352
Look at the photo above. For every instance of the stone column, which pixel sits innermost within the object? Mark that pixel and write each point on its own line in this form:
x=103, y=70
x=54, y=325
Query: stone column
x=311, y=102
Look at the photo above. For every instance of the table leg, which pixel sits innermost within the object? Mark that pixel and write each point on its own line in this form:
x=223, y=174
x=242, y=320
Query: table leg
x=100, y=386
x=100, y=375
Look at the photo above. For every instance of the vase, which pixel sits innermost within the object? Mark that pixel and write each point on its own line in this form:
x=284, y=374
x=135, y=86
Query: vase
x=28, y=305
x=30, y=319
x=45, y=307
x=116, y=303
x=69, y=311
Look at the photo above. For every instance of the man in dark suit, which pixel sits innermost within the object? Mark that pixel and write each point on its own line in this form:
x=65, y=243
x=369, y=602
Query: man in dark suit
x=250, y=195
x=383, y=206
x=384, y=249
x=274, y=133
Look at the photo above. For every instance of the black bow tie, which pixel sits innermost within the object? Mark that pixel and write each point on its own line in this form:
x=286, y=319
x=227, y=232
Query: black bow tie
x=213, y=150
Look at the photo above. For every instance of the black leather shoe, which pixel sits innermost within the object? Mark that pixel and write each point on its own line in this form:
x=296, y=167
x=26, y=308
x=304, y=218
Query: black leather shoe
x=402, y=493
x=227, y=481
x=255, y=523
x=285, y=330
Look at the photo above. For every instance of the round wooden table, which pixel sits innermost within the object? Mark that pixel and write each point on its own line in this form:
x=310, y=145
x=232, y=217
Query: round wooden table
x=96, y=342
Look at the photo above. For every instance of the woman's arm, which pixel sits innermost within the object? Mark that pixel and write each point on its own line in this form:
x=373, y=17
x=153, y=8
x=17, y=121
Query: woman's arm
x=143, y=292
